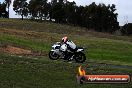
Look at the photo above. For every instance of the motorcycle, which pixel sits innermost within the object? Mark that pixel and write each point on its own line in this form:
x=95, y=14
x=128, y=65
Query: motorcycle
x=57, y=52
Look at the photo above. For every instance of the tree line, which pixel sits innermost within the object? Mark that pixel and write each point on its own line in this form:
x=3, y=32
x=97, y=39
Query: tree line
x=98, y=17
x=126, y=29
x=101, y=17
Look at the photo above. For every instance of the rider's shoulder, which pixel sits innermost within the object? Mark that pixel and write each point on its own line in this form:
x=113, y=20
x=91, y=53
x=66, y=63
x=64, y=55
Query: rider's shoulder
x=69, y=41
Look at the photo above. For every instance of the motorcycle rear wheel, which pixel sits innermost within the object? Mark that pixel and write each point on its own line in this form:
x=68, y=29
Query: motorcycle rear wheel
x=80, y=57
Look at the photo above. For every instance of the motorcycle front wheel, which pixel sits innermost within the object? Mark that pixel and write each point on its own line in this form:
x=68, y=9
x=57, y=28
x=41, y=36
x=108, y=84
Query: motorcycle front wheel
x=53, y=55
x=80, y=57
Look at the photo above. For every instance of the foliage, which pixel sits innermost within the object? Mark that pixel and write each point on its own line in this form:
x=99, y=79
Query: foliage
x=100, y=17
x=7, y=3
x=38, y=9
x=127, y=29
x=21, y=7
x=3, y=12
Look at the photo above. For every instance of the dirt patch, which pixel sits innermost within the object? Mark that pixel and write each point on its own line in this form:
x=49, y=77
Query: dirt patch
x=14, y=50
x=20, y=51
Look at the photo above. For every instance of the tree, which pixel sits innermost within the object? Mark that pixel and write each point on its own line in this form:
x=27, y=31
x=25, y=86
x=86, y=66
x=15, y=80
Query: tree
x=39, y=9
x=21, y=7
x=79, y=15
x=70, y=12
x=57, y=11
x=127, y=29
x=7, y=2
x=100, y=17
x=3, y=12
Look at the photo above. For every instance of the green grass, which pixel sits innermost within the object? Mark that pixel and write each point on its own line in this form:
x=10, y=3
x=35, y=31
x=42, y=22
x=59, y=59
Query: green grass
x=25, y=72
x=107, y=49
x=21, y=42
x=96, y=48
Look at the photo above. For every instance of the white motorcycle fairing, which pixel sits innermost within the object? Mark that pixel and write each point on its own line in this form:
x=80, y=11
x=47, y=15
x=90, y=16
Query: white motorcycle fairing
x=56, y=48
x=80, y=50
x=63, y=47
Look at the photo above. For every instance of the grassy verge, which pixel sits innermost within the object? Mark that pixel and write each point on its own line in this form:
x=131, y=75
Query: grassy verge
x=23, y=72
x=100, y=49
x=21, y=42
x=40, y=72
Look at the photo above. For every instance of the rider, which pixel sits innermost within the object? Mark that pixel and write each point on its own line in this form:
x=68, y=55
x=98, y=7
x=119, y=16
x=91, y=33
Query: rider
x=70, y=46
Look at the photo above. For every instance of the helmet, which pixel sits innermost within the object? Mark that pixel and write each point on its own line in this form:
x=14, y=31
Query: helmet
x=64, y=39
